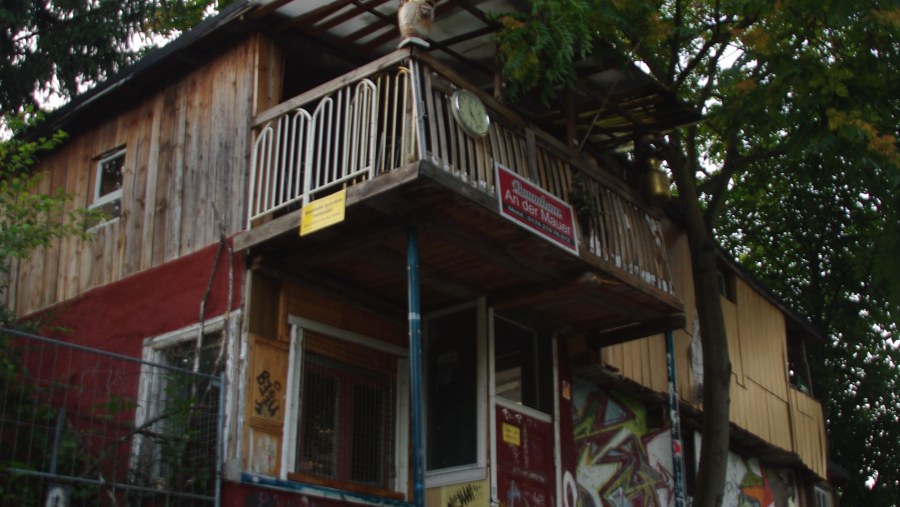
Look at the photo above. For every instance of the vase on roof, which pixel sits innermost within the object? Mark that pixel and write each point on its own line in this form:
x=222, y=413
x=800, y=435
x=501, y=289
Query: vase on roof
x=414, y=18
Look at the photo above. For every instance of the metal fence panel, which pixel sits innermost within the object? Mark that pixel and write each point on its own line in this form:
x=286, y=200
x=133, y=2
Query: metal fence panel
x=81, y=426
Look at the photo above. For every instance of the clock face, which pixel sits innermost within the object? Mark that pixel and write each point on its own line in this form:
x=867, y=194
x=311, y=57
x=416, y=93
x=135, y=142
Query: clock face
x=470, y=113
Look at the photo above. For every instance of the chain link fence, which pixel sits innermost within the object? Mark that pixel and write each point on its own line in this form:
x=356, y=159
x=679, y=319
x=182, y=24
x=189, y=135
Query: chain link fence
x=80, y=426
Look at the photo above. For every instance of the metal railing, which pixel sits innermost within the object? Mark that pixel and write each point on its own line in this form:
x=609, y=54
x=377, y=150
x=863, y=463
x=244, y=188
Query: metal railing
x=408, y=118
x=348, y=135
x=79, y=426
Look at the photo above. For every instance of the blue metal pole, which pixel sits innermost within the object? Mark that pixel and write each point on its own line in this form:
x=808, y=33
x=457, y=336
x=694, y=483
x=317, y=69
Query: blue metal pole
x=415, y=365
x=675, y=417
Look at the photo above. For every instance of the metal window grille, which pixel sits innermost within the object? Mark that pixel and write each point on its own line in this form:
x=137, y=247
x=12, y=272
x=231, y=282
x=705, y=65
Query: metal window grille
x=70, y=429
x=346, y=430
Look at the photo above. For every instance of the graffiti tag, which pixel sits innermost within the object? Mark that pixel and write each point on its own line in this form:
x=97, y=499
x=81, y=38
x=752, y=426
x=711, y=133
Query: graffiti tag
x=464, y=496
x=267, y=405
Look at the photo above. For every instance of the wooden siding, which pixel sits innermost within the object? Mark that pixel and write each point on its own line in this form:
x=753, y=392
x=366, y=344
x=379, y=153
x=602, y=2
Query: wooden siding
x=762, y=401
x=184, y=174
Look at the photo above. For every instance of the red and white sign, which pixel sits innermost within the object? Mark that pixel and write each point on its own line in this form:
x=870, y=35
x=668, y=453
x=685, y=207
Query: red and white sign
x=535, y=209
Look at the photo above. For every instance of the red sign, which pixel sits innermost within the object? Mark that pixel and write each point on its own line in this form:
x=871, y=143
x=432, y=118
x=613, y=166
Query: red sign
x=536, y=209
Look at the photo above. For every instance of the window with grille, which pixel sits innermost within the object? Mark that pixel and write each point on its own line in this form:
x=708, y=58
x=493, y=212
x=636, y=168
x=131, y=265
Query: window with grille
x=346, y=430
x=177, y=416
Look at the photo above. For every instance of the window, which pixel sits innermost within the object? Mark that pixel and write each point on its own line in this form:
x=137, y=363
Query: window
x=108, y=185
x=177, y=417
x=726, y=285
x=522, y=366
x=798, y=367
x=451, y=371
x=346, y=425
x=823, y=497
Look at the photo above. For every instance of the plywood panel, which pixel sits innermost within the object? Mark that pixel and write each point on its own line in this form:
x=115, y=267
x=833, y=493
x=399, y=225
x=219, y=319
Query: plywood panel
x=809, y=432
x=266, y=390
x=762, y=340
x=314, y=306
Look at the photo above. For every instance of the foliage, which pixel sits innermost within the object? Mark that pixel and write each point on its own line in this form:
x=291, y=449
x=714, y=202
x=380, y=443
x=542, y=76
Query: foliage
x=808, y=233
x=30, y=217
x=794, y=87
x=555, y=34
x=30, y=426
x=64, y=45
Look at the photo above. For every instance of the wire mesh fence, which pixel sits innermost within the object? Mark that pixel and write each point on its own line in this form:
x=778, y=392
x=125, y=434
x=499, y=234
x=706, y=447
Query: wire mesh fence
x=80, y=426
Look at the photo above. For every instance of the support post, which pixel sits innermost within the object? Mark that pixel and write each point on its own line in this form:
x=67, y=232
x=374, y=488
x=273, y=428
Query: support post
x=415, y=365
x=675, y=418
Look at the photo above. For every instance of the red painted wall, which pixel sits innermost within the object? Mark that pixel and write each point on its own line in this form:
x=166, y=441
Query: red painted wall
x=118, y=316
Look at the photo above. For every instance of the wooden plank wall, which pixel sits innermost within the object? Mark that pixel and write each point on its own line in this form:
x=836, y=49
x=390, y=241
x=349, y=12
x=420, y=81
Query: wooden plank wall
x=762, y=402
x=185, y=173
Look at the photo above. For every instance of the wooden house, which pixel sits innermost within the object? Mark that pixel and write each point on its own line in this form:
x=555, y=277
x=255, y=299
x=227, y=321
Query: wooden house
x=319, y=199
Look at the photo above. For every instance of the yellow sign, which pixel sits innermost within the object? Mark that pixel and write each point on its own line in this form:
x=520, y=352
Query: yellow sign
x=512, y=434
x=323, y=212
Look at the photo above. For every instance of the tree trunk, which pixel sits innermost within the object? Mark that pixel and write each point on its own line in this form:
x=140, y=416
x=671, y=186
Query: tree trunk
x=716, y=363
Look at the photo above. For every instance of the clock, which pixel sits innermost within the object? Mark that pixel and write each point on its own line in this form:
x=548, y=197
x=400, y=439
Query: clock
x=470, y=113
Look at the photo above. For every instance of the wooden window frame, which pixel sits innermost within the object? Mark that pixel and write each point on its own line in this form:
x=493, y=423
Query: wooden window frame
x=340, y=345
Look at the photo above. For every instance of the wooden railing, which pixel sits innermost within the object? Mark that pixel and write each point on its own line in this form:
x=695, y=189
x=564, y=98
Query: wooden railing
x=397, y=110
x=615, y=224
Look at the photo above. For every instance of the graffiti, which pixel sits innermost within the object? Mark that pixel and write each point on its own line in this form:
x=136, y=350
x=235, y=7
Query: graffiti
x=620, y=462
x=265, y=499
x=268, y=405
x=465, y=495
x=749, y=484
x=570, y=490
x=514, y=496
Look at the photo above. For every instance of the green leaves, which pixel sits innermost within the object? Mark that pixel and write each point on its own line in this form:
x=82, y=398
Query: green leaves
x=538, y=51
x=31, y=217
x=65, y=46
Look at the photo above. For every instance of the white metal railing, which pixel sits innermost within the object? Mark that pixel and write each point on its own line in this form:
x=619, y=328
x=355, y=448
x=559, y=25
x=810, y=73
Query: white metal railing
x=356, y=132
x=367, y=123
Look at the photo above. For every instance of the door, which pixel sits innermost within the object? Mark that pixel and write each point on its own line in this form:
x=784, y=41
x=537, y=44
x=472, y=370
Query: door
x=525, y=471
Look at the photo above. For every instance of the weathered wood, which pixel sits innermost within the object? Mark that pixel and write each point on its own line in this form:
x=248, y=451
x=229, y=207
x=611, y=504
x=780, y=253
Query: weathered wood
x=183, y=154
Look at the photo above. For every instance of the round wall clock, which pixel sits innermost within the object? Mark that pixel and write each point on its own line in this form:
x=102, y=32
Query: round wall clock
x=470, y=113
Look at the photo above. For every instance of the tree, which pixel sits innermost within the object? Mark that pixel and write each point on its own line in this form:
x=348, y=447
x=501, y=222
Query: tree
x=65, y=46
x=29, y=220
x=807, y=231
x=773, y=79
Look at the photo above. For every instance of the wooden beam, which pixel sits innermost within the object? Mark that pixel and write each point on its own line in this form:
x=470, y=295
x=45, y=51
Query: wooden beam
x=272, y=6
x=341, y=290
x=313, y=16
x=331, y=23
x=640, y=330
x=356, y=194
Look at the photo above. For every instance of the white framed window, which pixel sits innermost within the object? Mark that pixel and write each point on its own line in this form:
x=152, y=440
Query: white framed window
x=823, y=496
x=522, y=366
x=455, y=359
x=347, y=410
x=177, y=417
x=108, y=176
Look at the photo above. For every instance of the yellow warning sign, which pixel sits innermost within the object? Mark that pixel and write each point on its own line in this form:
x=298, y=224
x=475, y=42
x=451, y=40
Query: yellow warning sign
x=512, y=434
x=323, y=212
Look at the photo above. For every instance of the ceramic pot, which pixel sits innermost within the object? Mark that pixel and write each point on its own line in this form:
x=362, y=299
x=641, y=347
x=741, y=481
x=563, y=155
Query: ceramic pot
x=415, y=18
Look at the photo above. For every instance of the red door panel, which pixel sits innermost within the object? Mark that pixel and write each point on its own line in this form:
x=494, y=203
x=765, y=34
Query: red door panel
x=525, y=473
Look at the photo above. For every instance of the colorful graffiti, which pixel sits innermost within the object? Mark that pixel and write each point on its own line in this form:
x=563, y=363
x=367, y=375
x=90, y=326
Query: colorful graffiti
x=749, y=484
x=620, y=461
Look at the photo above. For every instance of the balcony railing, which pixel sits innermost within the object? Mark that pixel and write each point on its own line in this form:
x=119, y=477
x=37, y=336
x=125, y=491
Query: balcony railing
x=396, y=111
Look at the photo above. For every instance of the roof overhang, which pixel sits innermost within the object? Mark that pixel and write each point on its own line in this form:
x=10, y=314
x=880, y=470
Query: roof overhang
x=612, y=102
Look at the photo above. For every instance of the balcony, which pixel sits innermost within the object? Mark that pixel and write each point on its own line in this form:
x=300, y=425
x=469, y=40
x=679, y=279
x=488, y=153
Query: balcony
x=386, y=134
